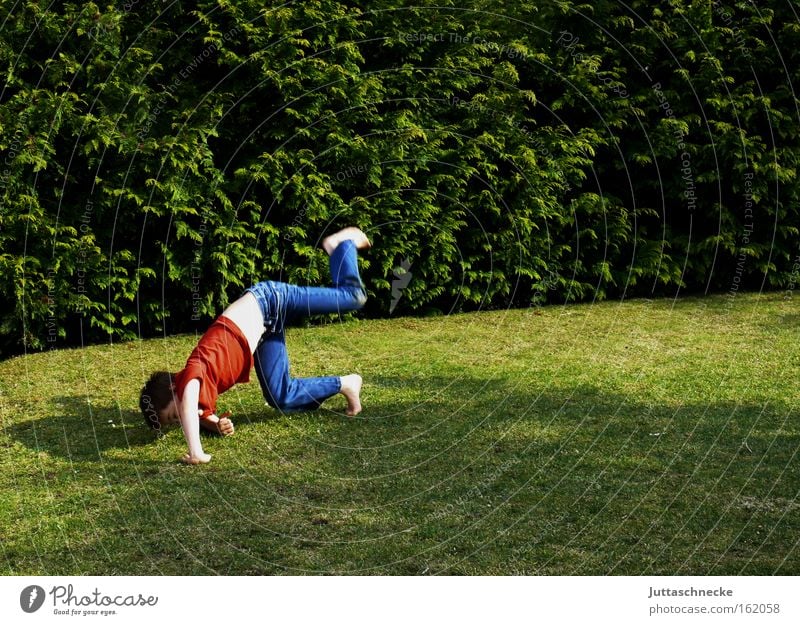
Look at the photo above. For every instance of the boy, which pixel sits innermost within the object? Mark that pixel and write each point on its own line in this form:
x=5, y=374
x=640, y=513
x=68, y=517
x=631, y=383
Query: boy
x=251, y=332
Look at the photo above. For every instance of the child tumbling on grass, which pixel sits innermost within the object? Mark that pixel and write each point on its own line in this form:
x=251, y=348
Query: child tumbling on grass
x=251, y=332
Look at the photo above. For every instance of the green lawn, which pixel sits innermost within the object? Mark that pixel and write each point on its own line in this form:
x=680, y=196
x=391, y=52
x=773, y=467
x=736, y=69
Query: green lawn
x=648, y=437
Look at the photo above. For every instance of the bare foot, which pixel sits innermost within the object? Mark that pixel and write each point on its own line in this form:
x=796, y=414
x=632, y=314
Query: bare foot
x=353, y=234
x=351, y=389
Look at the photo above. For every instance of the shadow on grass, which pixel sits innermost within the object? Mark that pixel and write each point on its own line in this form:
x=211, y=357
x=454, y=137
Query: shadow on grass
x=81, y=430
x=791, y=320
x=447, y=474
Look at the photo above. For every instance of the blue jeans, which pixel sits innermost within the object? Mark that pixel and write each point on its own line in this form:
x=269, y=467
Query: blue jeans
x=280, y=302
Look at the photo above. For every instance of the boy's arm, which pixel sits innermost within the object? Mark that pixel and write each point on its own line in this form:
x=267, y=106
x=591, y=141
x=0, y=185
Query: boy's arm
x=191, y=424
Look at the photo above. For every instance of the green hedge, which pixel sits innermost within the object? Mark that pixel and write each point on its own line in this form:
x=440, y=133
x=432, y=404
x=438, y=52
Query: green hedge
x=155, y=164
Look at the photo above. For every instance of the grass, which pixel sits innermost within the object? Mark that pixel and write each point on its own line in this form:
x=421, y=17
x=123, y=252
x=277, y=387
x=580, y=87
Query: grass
x=645, y=437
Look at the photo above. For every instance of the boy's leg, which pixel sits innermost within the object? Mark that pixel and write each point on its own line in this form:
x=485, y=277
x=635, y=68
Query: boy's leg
x=282, y=391
x=346, y=293
x=280, y=302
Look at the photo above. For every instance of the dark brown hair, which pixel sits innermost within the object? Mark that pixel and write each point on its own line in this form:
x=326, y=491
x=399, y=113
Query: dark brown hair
x=156, y=395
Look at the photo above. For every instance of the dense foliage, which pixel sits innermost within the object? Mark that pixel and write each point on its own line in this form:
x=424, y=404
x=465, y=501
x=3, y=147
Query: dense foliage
x=157, y=157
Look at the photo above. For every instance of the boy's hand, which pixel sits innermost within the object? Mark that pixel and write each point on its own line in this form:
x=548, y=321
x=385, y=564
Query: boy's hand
x=218, y=425
x=203, y=458
x=225, y=426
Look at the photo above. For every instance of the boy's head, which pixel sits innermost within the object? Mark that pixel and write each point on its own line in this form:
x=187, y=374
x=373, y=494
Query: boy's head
x=157, y=401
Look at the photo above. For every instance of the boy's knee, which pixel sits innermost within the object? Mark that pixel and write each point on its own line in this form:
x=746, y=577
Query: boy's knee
x=359, y=295
x=276, y=400
x=274, y=394
x=279, y=404
x=282, y=403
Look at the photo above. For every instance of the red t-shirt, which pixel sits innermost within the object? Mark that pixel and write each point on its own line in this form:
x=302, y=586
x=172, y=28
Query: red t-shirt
x=221, y=359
